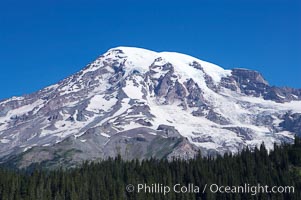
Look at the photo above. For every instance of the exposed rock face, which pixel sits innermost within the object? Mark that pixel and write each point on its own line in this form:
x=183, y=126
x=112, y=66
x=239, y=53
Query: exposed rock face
x=252, y=83
x=142, y=104
x=195, y=94
x=169, y=131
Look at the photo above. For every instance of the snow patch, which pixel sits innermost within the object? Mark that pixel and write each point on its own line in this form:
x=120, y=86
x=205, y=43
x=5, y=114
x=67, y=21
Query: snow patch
x=105, y=135
x=99, y=103
x=133, y=89
x=5, y=141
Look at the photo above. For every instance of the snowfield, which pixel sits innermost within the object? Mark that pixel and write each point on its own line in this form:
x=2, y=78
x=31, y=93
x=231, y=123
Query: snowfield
x=129, y=88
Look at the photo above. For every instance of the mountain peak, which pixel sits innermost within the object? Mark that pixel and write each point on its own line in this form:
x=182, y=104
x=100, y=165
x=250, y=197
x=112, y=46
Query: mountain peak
x=141, y=103
x=143, y=58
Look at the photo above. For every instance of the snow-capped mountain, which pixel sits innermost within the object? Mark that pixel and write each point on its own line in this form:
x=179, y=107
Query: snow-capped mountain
x=140, y=104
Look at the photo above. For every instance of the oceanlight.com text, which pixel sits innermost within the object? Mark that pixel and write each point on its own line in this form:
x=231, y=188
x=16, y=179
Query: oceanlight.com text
x=212, y=188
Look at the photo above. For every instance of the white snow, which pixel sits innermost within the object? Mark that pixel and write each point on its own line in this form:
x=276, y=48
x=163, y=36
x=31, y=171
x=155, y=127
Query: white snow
x=228, y=105
x=183, y=62
x=286, y=134
x=140, y=59
x=70, y=88
x=295, y=96
x=132, y=90
x=124, y=107
x=14, y=98
x=239, y=109
x=105, y=135
x=65, y=127
x=280, y=96
x=208, y=145
x=27, y=148
x=99, y=103
x=20, y=111
x=5, y=141
x=136, y=58
x=190, y=126
x=51, y=87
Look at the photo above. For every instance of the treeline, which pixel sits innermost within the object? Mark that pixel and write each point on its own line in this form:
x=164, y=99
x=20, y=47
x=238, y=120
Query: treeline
x=108, y=179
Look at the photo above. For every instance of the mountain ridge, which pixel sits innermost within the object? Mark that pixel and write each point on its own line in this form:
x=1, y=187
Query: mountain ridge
x=129, y=100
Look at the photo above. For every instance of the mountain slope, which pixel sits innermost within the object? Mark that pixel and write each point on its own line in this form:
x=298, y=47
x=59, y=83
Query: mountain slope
x=140, y=103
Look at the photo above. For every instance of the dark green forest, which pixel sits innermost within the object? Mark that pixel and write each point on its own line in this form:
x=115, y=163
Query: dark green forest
x=108, y=179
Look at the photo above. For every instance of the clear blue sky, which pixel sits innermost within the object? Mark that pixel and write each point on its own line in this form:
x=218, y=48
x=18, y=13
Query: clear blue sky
x=42, y=42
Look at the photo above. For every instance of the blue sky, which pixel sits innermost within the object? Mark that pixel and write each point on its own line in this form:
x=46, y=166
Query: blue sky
x=42, y=42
